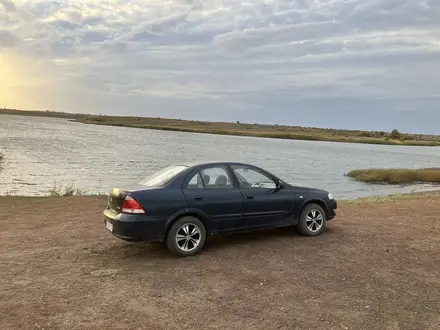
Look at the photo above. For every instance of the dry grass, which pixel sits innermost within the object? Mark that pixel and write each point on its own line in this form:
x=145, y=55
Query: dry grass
x=2, y=159
x=396, y=176
x=68, y=191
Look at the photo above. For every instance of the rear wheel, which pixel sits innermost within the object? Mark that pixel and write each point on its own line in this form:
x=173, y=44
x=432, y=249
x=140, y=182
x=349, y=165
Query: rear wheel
x=312, y=221
x=186, y=236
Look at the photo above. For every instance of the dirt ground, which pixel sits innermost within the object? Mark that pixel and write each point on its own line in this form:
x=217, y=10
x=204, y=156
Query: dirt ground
x=376, y=267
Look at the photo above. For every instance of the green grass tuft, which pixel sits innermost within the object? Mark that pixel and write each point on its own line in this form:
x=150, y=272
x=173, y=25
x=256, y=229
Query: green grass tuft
x=396, y=176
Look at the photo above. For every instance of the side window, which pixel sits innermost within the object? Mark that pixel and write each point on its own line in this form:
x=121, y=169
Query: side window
x=195, y=182
x=216, y=177
x=250, y=178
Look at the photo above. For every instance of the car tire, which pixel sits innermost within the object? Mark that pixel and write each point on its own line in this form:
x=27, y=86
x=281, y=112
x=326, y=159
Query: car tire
x=183, y=234
x=313, y=220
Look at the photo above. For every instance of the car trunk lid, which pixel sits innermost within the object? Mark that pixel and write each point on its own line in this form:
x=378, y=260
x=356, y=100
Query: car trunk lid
x=118, y=195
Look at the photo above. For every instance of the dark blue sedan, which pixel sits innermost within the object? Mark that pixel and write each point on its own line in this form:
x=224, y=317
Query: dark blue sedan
x=182, y=204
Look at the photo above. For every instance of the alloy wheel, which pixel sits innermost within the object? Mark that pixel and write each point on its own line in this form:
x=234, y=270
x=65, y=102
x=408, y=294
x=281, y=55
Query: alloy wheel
x=314, y=220
x=188, y=237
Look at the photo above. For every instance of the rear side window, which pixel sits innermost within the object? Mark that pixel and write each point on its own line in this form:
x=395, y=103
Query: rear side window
x=195, y=182
x=216, y=177
x=163, y=176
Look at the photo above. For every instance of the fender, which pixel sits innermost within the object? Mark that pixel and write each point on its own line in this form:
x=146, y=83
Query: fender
x=302, y=202
x=202, y=216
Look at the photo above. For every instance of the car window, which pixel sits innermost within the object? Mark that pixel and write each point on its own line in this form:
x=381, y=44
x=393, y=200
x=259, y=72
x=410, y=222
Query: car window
x=195, y=182
x=163, y=176
x=251, y=178
x=216, y=177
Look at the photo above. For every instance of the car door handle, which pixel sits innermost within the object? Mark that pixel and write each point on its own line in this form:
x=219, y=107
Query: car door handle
x=249, y=197
x=198, y=198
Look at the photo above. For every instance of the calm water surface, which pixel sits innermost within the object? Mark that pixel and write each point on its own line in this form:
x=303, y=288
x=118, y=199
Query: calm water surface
x=44, y=151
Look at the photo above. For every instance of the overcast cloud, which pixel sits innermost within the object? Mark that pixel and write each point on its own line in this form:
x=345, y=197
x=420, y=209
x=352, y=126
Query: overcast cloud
x=332, y=63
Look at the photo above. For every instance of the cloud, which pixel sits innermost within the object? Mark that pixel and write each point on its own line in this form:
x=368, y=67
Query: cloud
x=7, y=39
x=92, y=20
x=213, y=57
x=8, y=5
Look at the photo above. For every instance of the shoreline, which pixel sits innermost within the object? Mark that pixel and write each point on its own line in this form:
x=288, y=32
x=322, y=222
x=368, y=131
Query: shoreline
x=272, y=131
x=435, y=193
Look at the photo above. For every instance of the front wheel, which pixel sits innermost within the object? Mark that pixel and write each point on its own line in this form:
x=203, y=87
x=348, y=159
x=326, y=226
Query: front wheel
x=186, y=237
x=312, y=221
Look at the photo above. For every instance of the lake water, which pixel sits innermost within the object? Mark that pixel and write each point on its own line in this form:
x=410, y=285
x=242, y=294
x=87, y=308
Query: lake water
x=42, y=152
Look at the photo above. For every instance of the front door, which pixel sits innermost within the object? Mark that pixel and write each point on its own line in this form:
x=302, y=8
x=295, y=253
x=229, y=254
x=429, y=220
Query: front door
x=265, y=205
x=212, y=191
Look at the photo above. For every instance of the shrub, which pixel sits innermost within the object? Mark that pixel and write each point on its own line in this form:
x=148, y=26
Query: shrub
x=66, y=191
x=395, y=134
x=2, y=159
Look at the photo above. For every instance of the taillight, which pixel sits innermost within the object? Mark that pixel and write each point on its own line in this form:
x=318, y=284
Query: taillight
x=131, y=206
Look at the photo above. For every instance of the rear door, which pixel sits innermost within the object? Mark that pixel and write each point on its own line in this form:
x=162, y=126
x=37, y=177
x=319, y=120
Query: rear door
x=264, y=204
x=211, y=190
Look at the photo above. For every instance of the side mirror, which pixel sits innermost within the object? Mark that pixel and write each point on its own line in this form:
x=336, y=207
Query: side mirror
x=279, y=185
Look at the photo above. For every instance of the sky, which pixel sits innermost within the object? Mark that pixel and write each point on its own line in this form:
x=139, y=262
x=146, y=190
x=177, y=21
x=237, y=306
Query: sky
x=359, y=64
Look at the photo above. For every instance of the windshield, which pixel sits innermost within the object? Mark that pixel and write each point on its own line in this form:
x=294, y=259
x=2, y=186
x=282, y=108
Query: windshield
x=161, y=177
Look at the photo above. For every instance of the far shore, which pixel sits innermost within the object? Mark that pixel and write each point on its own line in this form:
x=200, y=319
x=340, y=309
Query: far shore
x=395, y=138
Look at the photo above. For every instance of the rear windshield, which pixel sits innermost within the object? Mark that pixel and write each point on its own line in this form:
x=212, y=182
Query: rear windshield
x=163, y=176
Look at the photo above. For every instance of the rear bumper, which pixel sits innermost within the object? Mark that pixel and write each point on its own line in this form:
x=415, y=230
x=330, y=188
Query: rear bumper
x=332, y=206
x=135, y=227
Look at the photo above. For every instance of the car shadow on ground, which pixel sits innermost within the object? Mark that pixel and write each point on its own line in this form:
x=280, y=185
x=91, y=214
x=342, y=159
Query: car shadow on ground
x=258, y=238
x=214, y=244
x=254, y=238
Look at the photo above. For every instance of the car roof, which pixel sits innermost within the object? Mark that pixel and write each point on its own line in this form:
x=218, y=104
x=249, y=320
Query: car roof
x=193, y=164
x=205, y=162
